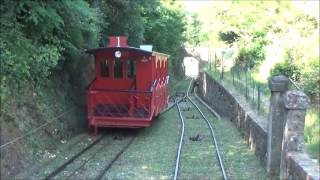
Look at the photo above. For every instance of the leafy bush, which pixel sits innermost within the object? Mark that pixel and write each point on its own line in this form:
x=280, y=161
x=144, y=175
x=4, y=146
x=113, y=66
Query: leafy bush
x=228, y=36
x=35, y=37
x=310, y=79
x=251, y=57
x=306, y=74
x=287, y=68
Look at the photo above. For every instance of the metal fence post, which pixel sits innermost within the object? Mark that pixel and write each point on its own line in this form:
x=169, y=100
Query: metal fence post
x=259, y=98
x=246, y=76
x=222, y=68
x=253, y=85
x=210, y=59
x=277, y=85
x=232, y=69
x=215, y=62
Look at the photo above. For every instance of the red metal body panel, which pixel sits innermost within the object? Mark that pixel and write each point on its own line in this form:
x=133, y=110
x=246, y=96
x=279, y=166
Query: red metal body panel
x=129, y=102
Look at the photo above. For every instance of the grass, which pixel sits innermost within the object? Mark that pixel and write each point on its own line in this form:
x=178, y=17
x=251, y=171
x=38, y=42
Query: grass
x=152, y=154
x=178, y=85
x=42, y=168
x=198, y=160
x=239, y=160
x=311, y=132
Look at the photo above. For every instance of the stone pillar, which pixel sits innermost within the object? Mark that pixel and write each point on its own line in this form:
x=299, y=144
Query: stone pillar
x=296, y=104
x=278, y=85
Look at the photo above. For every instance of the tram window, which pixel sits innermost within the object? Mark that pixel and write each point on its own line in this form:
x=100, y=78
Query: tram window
x=131, y=68
x=104, y=68
x=118, y=69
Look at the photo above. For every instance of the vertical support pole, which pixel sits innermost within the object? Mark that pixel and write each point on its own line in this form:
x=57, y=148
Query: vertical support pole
x=246, y=78
x=232, y=69
x=210, y=59
x=259, y=98
x=253, y=87
x=277, y=85
x=215, y=62
x=222, y=67
x=296, y=104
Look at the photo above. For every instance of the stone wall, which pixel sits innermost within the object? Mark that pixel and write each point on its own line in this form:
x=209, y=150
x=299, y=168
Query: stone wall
x=229, y=107
x=298, y=164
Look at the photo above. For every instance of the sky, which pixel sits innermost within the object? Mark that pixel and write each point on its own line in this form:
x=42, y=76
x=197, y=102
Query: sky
x=194, y=5
x=309, y=6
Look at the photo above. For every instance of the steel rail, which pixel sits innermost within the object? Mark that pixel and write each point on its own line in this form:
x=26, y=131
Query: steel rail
x=170, y=107
x=119, y=154
x=63, y=166
x=208, y=107
x=181, y=140
x=115, y=158
x=212, y=134
x=86, y=161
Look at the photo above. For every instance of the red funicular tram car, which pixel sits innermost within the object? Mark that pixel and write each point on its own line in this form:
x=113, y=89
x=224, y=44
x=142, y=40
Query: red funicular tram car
x=130, y=88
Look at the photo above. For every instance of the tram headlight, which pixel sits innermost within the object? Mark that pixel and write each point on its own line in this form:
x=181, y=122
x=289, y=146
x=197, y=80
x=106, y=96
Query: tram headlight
x=117, y=54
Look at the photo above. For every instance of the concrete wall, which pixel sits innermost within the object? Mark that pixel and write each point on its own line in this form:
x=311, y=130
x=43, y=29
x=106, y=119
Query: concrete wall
x=299, y=165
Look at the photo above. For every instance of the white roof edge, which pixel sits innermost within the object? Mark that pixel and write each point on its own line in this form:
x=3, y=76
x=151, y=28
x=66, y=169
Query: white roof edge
x=154, y=53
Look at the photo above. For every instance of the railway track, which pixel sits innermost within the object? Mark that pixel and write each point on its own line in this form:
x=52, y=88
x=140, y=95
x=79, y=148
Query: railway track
x=89, y=158
x=72, y=168
x=97, y=151
x=114, y=159
x=190, y=105
x=73, y=158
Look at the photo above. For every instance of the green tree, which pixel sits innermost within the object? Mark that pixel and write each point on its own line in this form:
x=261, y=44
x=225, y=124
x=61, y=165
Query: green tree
x=195, y=34
x=165, y=29
x=124, y=17
x=36, y=36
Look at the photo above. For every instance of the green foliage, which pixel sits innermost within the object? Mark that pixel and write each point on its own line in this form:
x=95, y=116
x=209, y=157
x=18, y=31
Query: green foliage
x=35, y=37
x=250, y=57
x=229, y=36
x=287, y=68
x=265, y=33
x=312, y=130
x=307, y=74
x=164, y=28
x=195, y=34
x=311, y=78
x=125, y=17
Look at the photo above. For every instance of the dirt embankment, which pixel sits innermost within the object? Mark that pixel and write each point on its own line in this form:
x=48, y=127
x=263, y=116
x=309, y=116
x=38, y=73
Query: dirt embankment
x=58, y=104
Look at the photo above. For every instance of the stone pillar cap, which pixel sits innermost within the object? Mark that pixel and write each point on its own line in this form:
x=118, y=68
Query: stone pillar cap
x=278, y=83
x=296, y=100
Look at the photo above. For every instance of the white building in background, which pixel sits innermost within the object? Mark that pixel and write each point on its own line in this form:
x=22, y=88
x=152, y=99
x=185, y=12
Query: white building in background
x=191, y=66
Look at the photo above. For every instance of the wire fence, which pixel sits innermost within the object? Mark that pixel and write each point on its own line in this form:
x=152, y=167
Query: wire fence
x=255, y=92
x=242, y=80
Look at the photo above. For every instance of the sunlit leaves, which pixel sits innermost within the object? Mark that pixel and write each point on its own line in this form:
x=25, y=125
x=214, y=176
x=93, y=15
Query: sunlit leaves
x=37, y=36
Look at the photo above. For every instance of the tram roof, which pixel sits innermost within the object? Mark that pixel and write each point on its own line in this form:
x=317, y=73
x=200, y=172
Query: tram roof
x=134, y=49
